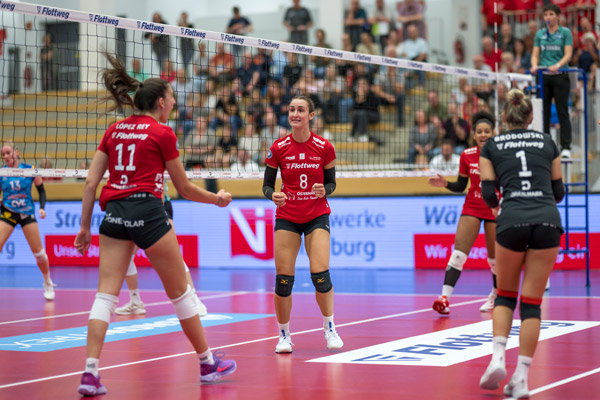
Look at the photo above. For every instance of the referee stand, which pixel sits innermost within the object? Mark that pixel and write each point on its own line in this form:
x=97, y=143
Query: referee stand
x=569, y=205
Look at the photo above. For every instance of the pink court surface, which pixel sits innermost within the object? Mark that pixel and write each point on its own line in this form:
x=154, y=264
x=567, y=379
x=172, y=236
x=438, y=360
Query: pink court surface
x=395, y=345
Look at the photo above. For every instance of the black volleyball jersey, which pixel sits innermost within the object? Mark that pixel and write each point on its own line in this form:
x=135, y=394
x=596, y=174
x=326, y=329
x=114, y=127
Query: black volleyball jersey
x=522, y=161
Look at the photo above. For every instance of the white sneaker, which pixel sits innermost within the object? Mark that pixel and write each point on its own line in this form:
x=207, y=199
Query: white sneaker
x=565, y=153
x=284, y=345
x=489, y=304
x=492, y=376
x=131, y=309
x=202, y=311
x=334, y=341
x=49, y=291
x=517, y=389
x=363, y=138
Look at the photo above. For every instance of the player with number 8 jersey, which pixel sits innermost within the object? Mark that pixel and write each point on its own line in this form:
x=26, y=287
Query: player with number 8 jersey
x=307, y=164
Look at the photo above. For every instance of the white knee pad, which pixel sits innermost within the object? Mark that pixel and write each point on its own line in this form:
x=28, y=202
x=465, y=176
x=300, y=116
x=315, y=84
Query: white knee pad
x=131, y=270
x=186, y=305
x=103, y=307
x=41, y=256
x=457, y=259
x=186, y=267
x=492, y=263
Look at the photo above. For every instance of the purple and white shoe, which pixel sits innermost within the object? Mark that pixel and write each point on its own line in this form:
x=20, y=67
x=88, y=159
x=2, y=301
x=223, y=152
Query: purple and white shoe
x=214, y=372
x=90, y=385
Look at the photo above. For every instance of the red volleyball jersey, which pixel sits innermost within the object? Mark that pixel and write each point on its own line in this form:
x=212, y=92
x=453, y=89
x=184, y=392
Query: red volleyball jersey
x=137, y=149
x=302, y=165
x=474, y=203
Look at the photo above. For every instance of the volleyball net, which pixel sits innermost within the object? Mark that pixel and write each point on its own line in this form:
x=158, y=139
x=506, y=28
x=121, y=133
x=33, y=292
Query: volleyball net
x=386, y=116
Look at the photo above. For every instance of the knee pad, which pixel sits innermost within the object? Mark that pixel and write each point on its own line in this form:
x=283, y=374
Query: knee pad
x=506, y=299
x=284, y=285
x=530, y=308
x=457, y=260
x=104, y=306
x=492, y=264
x=322, y=281
x=132, y=269
x=41, y=256
x=186, y=305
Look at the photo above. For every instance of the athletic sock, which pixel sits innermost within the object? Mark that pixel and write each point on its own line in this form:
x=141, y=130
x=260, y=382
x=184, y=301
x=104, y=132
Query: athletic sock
x=47, y=278
x=522, y=370
x=328, y=322
x=284, y=329
x=91, y=366
x=447, y=291
x=499, y=352
x=134, y=296
x=206, y=357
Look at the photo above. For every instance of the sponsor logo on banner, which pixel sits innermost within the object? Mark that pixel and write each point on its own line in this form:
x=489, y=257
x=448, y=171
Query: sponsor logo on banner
x=53, y=12
x=62, y=252
x=4, y=6
x=433, y=251
x=121, y=330
x=252, y=232
x=449, y=346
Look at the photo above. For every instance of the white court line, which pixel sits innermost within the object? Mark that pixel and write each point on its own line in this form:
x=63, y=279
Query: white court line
x=233, y=345
x=561, y=382
x=158, y=303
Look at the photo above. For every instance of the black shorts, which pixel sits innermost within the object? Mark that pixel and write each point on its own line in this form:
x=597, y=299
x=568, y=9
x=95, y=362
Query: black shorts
x=13, y=219
x=321, y=222
x=140, y=218
x=169, y=209
x=523, y=237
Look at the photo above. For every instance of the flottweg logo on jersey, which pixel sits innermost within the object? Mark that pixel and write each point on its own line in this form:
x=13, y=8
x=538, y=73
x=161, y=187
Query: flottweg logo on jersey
x=252, y=232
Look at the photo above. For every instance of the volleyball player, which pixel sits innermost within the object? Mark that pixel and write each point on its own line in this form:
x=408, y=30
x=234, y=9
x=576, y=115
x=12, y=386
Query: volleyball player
x=307, y=164
x=473, y=213
x=136, y=151
x=135, y=305
x=527, y=166
x=17, y=208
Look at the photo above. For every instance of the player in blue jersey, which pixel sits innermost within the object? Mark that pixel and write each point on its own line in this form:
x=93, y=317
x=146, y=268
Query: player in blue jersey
x=17, y=209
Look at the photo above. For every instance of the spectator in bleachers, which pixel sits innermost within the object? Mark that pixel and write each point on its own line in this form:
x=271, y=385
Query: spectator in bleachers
x=199, y=146
x=168, y=72
x=160, y=43
x=532, y=27
x=201, y=68
x=584, y=28
x=222, y=65
x=522, y=60
x=183, y=89
x=472, y=104
x=291, y=72
x=49, y=64
x=334, y=90
x=481, y=87
x=318, y=127
x=297, y=21
x=344, y=66
x=368, y=46
x=262, y=62
x=226, y=148
x=586, y=57
x=320, y=63
x=456, y=128
x=246, y=76
x=447, y=160
x=354, y=22
x=365, y=111
x=435, y=108
x=238, y=25
x=271, y=127
x=47, y=164
x=393, y=40
x=278, y=99
x=507, y=40
x=491, y=56
x=489, y=17
x=244, y=162
x=186, y=45
x=414, y=48
x=136, y=71
x=389, y=87
x=411, y=13
x=507, y=62
x=457, y=94
x=382, y=20
x=422, y=137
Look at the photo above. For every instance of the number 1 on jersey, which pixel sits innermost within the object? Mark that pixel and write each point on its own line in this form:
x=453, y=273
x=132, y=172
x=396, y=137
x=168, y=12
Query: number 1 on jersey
x=120, y=166
x=524, y=173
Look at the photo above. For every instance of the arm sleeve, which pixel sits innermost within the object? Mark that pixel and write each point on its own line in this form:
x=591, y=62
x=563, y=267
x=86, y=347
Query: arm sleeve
x=329, y=181
x=458, y=186
x=269, y=182
x=42, y=193
x=558, y=189
x=488, y=192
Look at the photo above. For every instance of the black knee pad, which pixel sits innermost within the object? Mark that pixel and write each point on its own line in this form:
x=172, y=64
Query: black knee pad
x=510, y=302
x=322, y=281
x=530, y=309
x=284, y=285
